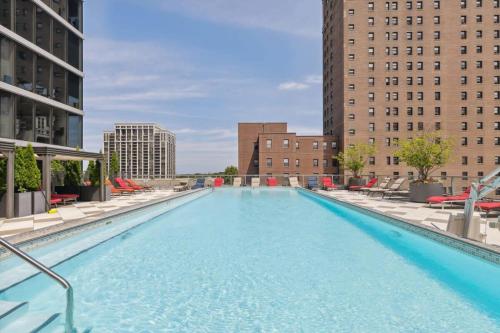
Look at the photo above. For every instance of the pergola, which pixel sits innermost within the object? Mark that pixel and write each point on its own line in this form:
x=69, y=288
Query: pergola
x=47, y=154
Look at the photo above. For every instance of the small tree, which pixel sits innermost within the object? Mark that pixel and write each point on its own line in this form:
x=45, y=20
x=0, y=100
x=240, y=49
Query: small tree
x=230, y=171
x=114, y=165
x=27, y=176
x=73, y=173
x=355, y=157
x=425, y=153
x=93, y=173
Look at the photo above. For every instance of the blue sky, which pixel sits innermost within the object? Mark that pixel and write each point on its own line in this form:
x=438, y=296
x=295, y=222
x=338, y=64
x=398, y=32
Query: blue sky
x=199, y=67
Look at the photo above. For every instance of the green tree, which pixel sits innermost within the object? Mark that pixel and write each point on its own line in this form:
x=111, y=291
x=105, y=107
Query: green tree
x=114, y=165
x=3, y=175
x=230, y=171
x=27, y=176
x=73, y=173
x=425, y=153
x=355, y=157
x=93, y=173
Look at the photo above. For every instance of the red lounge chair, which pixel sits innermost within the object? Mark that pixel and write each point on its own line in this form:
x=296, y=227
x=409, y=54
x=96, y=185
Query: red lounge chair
x=124, y=185
x=134, y=185
x=119, y=190
x=271, y=182
x=443, y=199
x=370, y=184
x=65, y=197
x=218, y=182
x=488, y=206
x=327, y=183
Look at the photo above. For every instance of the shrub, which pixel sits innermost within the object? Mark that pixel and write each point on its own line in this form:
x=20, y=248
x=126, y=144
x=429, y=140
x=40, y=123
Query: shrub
x=354, y=158
x=93, y=173
x=73, y=173
x=230, y=171
x=27, y=176
x=425, y=153
x=114, y=165
x=3, y=175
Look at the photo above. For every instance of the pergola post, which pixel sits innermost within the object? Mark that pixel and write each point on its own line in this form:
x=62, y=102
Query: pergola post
x=100, y=166
x=47, y=177
x=9, y=202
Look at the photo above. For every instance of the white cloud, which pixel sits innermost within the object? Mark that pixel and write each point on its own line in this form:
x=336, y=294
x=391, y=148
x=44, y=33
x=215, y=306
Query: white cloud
x=293, y=86
x=314, y=79
x=298, y=17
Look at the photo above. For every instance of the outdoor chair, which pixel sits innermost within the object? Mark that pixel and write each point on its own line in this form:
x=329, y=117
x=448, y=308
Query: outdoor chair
x=328, y=185
x=237, y=182
x=255, y=182
x=312, y=183
x=200, y=183
x=395, y=189
x=271, y=182
x=370, y=184
x=294, y=182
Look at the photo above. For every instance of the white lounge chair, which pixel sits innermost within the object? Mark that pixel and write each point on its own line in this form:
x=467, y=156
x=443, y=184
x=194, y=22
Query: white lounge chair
x=237, y=182
x=395, y=189
x=381, y=188
x=255, y=182
x=294, y=182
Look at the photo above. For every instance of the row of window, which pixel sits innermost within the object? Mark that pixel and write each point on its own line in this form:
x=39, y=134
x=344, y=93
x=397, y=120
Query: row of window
x=286, y=163
x=419, y=65
x=419, y=5
x=394, y=111
x=419, y=96
x=24, y=69
x=394, y=81
x=464, y=126
x=394, y=160
x=286, y=144
x=23, y=119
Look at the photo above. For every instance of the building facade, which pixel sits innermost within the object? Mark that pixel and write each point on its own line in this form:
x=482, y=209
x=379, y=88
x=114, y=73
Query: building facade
x=41, y=73
x=145, y=150
x=269, y=149
x=396, y=69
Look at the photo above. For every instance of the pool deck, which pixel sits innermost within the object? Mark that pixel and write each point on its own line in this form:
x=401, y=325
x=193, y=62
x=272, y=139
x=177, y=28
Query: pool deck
x=81, y=211
x=434, y=217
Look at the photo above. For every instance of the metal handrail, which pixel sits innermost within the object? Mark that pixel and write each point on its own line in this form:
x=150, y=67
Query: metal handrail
x=53, y=275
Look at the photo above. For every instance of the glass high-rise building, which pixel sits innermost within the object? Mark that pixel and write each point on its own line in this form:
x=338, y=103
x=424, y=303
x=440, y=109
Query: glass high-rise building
x=41, y=71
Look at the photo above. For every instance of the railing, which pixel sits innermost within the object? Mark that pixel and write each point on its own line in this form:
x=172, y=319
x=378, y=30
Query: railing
x=69, y=326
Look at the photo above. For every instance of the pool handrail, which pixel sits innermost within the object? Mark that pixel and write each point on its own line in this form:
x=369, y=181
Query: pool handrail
x=69, y=325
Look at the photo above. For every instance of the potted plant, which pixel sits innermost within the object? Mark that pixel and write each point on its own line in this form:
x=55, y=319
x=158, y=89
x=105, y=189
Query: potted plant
x=91, y=193
x=354, y=159
x=72, y=178
x=28, y=198
x=425, y=153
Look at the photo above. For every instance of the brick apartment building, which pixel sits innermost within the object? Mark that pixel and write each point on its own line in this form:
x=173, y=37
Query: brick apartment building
x=269, y=149
x=396, y=69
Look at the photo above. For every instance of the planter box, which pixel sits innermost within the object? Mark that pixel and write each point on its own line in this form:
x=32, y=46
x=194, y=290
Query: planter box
x=419, y=192
x=39, y=202
x=3, y=202
x=68, y=190
x=357, y=182
x=91, y=193
x=22, y=204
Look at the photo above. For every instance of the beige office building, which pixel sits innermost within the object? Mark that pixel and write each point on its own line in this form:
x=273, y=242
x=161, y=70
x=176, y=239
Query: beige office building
x=145, y=150
x=396, y=69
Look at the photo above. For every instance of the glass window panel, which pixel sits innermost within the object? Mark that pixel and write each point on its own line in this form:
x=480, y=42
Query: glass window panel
x=73, y=50
x=24, y=119
x=42, y=76
x=42, y=123
x=24, y=18
x=74, y=12
x=59, y=127
x=24, y=68
x=6, y=116
x=5, y=13
x=59, y=84
x=73, y=90
x=59, y=37
x=42, y=37
x=6, y=60
x=74, y=130
x=59, y=6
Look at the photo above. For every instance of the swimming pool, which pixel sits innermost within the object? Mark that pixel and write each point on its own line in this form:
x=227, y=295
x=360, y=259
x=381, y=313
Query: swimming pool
x=272, y=260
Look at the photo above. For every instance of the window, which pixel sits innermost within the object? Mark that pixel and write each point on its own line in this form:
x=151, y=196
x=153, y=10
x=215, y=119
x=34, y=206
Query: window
x=285, y=162
x=269, y=162
x=479, y=140
x=316, y=145
x=325, y=163
x=269, y=143
x=297, y=163
x=480, y=160
x=464, y=160
x=286, y=143
x=464, y=141
x=315, y=163
x=371, y=127
x=256, y=163
x=325, y=145
x=437, y=4
x=6, y=115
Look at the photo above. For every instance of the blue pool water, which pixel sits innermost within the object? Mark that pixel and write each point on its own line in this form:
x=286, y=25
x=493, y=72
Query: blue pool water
x=272, y=260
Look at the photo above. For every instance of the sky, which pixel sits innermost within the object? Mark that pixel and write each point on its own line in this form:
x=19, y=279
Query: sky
x=199, y=67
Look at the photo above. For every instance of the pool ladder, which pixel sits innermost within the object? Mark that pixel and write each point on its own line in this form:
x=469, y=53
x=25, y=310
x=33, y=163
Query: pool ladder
x=69, y=325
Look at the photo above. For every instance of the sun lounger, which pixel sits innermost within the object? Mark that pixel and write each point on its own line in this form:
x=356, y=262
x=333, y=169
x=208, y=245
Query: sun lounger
x=123, y=185
x=294, y=182
x=328, y=185
x=381, y=188
x=488, y=206
x=312, y=183
x=448, y=199
x=271, y=182
x=118, y=190
x=395, y=189
x=65, y=198
x=370, y=184
x=218, y=182
x=237, y=182
x=255, y=182
x=134, y=185
x=54, y=202
x=200, y=183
